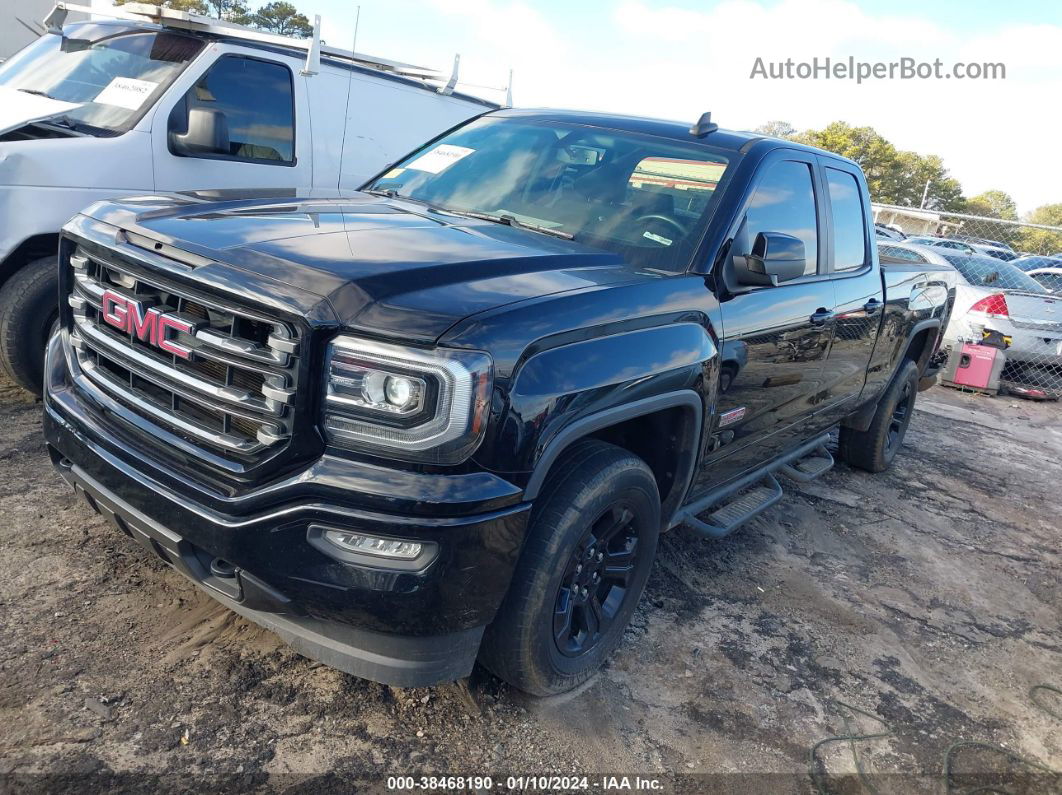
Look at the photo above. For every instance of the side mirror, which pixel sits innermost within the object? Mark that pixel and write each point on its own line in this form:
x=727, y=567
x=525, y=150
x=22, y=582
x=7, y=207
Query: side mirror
x=775, y=258
x=207, y=134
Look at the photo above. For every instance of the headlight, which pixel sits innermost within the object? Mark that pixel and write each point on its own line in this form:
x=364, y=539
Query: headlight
x=406, y=403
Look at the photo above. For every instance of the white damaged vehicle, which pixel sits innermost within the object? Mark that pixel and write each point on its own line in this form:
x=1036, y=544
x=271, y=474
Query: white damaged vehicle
x=996, y=298
x=154, y=100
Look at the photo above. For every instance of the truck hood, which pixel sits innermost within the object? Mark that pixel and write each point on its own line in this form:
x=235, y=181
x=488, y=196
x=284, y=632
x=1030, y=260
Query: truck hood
x=386, y=266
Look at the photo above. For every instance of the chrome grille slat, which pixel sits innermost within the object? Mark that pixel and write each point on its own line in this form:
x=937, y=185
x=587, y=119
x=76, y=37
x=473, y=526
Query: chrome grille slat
x=169, y=376
x=205, y=339
x=185, y=394
x=233, y=395
x=150, y=407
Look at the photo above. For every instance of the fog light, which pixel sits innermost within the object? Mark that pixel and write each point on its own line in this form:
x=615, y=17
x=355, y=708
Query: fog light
x=384, y=547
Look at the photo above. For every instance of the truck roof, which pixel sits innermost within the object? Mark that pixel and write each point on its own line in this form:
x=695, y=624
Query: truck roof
x=722, y=139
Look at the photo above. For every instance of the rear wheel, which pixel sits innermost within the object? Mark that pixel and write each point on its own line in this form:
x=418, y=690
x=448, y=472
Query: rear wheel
x=874, y=448
x=590, y=546
x=29, y=310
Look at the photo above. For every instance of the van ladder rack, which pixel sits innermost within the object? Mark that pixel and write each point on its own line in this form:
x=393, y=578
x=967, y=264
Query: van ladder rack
x=172, y=18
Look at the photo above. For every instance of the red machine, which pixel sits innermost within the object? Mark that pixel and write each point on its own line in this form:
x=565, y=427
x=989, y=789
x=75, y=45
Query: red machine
x=974, y=366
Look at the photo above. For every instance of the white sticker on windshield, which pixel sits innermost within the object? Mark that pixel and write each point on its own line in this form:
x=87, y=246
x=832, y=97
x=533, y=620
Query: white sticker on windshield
x=657, y=238
x=126, y=92
x=440, y=158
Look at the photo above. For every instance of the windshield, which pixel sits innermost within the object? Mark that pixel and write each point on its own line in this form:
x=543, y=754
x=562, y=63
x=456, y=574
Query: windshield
x=646, y=198
x=114, y=73
x=988, y=272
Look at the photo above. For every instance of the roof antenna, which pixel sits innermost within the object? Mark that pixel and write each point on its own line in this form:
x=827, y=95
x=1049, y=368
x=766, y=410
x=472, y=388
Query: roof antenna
x=703, y=126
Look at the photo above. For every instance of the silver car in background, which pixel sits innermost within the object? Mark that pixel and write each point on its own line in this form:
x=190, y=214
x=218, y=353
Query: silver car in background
x=1050, y=278
x=994, y=296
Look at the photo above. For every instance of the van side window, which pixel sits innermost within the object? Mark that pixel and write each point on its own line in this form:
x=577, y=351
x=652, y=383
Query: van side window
x=849, y=221
x=258, y=102
x=784, y=202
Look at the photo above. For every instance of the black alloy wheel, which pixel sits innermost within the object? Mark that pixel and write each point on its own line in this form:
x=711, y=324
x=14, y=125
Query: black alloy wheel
x=596, y=581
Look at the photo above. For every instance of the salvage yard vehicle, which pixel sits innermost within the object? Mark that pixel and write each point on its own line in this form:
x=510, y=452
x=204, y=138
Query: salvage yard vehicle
x=1049, y=278
x=446, y=417
x=162, y=100
x=996, y=299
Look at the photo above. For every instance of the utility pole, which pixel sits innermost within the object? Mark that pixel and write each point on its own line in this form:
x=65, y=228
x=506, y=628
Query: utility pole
x=925, y=195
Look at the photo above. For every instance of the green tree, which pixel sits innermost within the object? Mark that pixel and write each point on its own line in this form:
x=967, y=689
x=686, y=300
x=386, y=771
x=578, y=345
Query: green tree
x=993, y=204
x=893, y=176
x=191, y=6
x=777, y=129
x=1043, y=241
x=231, y=11
x=876, y=156
x=908, y=183
x=283, y=18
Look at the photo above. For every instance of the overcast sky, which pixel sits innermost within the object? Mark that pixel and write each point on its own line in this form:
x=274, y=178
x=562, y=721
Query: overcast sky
x=677, y=58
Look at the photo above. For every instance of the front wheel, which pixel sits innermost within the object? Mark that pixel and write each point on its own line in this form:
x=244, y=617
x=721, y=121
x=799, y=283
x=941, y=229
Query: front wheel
x=874, y=448
x=29, y=310
x=590, y=546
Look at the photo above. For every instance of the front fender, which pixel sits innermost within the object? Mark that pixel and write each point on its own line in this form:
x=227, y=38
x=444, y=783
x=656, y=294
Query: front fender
x=567, y=392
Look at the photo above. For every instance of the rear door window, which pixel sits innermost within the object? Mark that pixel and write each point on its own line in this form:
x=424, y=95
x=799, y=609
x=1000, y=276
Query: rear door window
x=848, y=220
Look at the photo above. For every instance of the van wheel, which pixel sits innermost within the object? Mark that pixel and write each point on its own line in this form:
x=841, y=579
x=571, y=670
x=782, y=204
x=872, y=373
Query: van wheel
x=29, y=310
x=590, y=545
x=874, y=448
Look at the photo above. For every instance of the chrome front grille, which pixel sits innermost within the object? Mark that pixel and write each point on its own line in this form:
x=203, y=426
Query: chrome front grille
x=234, y=394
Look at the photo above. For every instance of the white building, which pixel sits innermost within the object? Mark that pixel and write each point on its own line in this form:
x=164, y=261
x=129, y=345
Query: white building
x=913, y=221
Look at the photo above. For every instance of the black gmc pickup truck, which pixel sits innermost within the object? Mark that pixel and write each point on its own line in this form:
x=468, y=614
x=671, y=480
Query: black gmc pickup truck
x=445, y=418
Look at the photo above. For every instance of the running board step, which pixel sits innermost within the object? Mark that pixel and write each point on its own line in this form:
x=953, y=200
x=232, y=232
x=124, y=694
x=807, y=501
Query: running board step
x=727, y=518
x=809, y=468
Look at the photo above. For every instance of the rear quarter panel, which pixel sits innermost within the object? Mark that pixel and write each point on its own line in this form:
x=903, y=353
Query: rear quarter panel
x=917, y=296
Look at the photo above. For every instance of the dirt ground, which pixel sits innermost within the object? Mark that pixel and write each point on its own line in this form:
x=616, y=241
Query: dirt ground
x=928, y=598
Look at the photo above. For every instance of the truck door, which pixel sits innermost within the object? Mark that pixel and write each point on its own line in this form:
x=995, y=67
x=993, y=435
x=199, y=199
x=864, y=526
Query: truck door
x=775, y=338
x=857, y=286
x=242, y=123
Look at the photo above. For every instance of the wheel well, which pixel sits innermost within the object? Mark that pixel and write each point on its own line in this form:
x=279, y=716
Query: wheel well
x=28, y=250
x=667, y=441
x=920, y=347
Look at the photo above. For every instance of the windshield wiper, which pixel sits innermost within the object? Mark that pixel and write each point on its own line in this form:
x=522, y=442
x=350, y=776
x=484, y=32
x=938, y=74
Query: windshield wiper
x=36, y=93
x=391, y=193
x=70, y=124
x=510, y=220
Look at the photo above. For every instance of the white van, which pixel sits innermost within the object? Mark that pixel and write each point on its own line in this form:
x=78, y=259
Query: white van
x=151, y=100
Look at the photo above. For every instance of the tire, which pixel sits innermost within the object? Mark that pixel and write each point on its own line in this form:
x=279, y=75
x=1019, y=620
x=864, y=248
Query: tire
x=874, y=448
x=29, y=310
x=595, y=486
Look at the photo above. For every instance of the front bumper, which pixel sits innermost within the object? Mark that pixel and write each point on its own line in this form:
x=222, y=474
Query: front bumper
x=400, y=627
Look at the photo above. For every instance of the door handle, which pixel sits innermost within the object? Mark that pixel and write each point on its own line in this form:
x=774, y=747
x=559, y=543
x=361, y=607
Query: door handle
x=873, y=306
x=820, y=317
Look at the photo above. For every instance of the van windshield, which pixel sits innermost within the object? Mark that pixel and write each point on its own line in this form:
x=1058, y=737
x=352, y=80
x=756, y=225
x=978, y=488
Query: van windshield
x=645, y=197
x=113, y=73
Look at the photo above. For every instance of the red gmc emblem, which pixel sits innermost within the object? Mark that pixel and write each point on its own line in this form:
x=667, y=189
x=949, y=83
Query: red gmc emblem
x=150, y=325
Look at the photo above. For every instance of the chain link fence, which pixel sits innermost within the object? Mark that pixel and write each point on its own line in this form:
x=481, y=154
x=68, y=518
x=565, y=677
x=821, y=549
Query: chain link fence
x=1005, y=332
